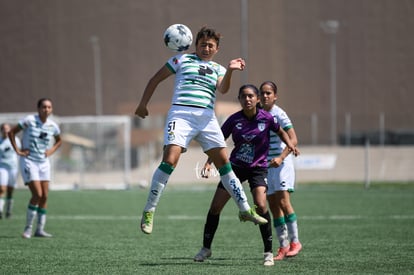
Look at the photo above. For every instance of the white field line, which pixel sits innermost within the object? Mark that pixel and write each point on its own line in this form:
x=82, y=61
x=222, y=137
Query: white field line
x=201, y=218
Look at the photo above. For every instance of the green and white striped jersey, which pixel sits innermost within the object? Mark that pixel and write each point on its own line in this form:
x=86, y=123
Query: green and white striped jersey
x=276, y=144
x=38, y=136
x=195, y=81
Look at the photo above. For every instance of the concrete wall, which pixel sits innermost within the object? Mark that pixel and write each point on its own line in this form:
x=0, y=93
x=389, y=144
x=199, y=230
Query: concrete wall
x=315, y=165
x=351, y=164
x=46, y=50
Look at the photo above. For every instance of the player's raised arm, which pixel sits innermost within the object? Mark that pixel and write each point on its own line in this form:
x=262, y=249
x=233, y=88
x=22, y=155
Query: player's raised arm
x=159, y=76
x=223, y=84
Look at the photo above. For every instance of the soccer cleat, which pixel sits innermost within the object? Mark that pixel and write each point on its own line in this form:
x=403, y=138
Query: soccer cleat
x=42, y=234
x=268, y=259
x=281, y=253
x=1, y=215
x=146, y=222
x=202, y=255
x=251, y=215
x=295, y=247
x=8, y=215
x=27, y=233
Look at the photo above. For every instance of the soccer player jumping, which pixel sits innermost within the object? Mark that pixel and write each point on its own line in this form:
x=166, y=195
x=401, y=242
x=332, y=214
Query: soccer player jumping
x=191, y=116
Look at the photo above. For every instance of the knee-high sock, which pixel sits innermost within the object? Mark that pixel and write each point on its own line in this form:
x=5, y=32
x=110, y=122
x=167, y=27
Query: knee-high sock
x=281, y=231
x=210, y=228
x=266, y=232
x=234, y=187
x=41, y=219
x=1, y=204
x=9, y=205
x=292, y=226
x=30, y=215
x=158, y=183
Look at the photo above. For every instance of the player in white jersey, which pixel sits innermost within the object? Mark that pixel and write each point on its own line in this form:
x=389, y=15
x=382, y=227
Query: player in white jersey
x=281, y=177
x=191, y=116
x=8, y=170
x=41, y=138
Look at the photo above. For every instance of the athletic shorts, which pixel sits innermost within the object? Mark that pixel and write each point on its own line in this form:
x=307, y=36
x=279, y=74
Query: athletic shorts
x=8, y=177
x=281, y=178
x=187, y=123
x=34, y=171
x=256, y=176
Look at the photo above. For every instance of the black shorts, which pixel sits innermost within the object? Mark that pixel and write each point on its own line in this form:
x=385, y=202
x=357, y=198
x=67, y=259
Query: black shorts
x=256, y=176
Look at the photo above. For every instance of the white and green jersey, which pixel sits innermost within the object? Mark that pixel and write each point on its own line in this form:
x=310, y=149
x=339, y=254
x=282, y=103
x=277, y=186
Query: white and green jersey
x=276, y=144
x=195, y=80
x=8, y=157
x=38, y=136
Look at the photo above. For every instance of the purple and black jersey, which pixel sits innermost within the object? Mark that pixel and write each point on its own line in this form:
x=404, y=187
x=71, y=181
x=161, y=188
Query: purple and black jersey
x=251, y=138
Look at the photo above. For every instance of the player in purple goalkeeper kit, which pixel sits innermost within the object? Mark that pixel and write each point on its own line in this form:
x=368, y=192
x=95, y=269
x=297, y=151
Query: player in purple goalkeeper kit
x=250, y=130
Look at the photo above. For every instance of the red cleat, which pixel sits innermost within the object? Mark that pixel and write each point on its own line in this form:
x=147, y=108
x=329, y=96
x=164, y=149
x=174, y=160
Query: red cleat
x=294, y=250
x=281, y=253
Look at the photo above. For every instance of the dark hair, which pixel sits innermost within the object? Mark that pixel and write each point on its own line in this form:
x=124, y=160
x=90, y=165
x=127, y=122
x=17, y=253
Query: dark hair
x=249, y=86
x=40, y=101
x=271, y=84
x=209, y=33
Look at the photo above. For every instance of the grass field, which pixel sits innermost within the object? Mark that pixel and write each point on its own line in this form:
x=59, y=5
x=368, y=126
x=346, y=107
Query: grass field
x=343, y=228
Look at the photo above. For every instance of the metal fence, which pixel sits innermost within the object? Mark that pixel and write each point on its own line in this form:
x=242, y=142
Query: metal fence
x=96, y=151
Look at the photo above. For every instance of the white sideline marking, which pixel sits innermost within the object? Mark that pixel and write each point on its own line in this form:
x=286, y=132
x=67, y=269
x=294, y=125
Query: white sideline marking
x=187, y=217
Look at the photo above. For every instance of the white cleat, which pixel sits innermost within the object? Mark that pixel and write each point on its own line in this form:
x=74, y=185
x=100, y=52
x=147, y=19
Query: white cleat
x=268, y=259
x=27, y=234
x=202, y=255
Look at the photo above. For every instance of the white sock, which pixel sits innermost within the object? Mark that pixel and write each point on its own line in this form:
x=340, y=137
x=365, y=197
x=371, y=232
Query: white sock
x=235, y=189
x=159, y=181
x=41, y=222
x=1, y=204
x=282, y=235
x=30, y=215
x=293, y=231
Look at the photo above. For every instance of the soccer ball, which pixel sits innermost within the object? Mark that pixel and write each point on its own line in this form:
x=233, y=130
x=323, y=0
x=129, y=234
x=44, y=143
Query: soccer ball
x=178, y=37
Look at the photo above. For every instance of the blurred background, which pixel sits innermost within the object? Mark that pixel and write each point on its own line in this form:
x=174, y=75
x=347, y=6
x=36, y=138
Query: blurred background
x=343, y=68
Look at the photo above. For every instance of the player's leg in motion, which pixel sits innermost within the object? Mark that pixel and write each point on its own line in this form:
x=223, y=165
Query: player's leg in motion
x=282, y=236
x=158, y=183
x=30, y=217
x=221, y=197
x=3, y=182
x=292, y=225
x=9, y=202
x=41, y=210
x=10, y=191
x=232, y=184
x=41, y=222
x=1, y=206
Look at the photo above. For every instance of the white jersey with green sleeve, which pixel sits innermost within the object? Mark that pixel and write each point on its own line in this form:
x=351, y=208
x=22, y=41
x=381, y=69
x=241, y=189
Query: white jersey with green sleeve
x=8, y=157
x=276, y=144
x=38, y=136
x=195, y=80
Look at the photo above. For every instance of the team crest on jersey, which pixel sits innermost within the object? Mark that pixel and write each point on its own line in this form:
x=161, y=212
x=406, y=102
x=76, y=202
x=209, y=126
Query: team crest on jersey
x=171, y=136
x=261, y=126
x=248, y=137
